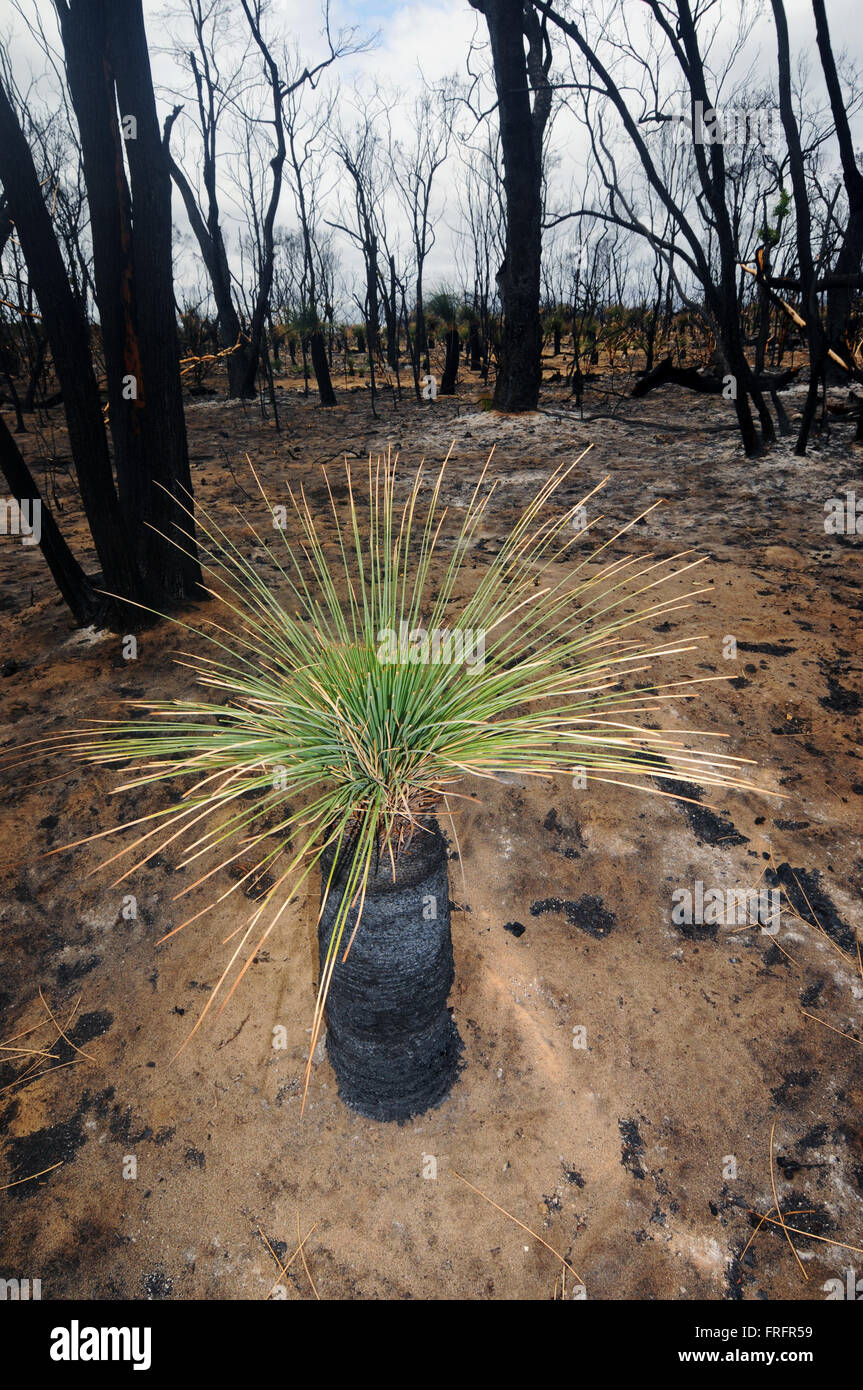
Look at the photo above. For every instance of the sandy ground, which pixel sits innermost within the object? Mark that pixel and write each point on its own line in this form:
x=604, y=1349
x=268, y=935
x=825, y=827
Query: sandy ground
x=622, y=1073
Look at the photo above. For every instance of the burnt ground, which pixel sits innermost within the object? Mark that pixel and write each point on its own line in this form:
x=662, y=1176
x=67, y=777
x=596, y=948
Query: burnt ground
x=622, y=1073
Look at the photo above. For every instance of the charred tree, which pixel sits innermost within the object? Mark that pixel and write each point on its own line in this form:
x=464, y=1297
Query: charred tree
x=176, y=573
x=208, y=234
x=304, y=201
x=85, y=604
x=517, y=75
x=450, y=371
x=678, y=23
x=107, y=65
x=69, y=337
x=850, y=257
x=816, y=337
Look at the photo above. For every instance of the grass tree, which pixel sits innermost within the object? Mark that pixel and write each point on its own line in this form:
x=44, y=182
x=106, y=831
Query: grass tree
x=346, y=708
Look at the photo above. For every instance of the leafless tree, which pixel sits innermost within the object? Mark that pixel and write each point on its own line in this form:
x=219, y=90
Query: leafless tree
x=361, y=151
x=213, y=28
x=306, y=136
x=524, y=99
x=679, y=37
x=481, y=247
x=108, y=73
x=265, y=105
x=416, y=162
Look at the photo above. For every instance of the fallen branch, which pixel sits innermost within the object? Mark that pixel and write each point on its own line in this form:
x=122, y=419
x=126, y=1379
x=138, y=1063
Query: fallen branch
x=706, y=384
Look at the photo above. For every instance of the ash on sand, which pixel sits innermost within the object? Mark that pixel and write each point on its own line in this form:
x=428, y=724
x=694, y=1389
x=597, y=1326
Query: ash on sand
x=701, y=1044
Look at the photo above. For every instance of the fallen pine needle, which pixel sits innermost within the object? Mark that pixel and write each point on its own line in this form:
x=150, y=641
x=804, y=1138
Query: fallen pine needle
x=810, y=1235
x=60, y=1030
x=33, y=1175
x=25, y=1032
x=29, y=1051
x=779, y=1208
x=283, y=1268
x=801, y=1211
x=510, y=1217
x=849, y=1036
x=37, y=1076
x=305, y=1264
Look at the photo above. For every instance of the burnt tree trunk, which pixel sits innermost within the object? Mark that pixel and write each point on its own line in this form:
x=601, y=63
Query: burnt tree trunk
x=162, y=422
x=391, y=314
x=474, y=347
x=78, y=592
x=321, y=368
x=450, y=371
x=848, y=261
x=69, y=339
x=261, y=306
x=422, y=338
x=212, y=246
x=412, y=349
x=36, y=368
x=20, y=427
x=816, y=338
x=373, y=317
x=107, y=62
x=91, y=85
x=519, y=373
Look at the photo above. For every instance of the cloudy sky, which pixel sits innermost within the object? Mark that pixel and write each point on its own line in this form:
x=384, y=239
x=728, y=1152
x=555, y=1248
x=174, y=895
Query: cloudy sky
x=433, y=39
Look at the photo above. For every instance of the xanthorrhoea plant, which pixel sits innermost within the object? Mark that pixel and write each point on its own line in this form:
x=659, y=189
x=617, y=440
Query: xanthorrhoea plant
x=341, y=724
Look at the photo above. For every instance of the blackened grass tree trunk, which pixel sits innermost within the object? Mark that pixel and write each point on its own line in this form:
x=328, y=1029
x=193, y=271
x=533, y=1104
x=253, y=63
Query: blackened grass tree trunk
x=108, y=67
x=517, y=76
x=321, y=367
x=391, y=1038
